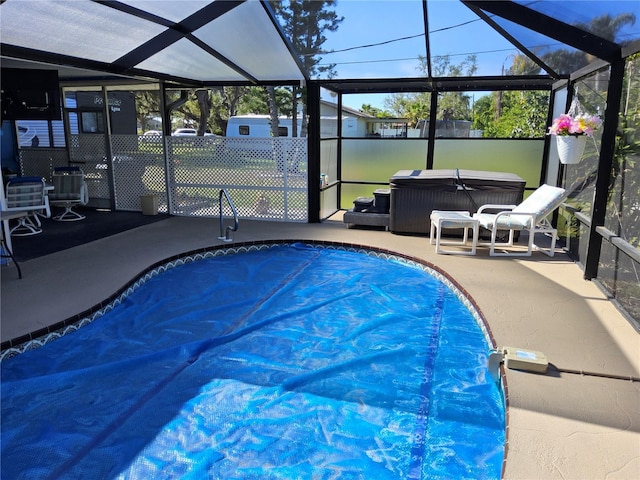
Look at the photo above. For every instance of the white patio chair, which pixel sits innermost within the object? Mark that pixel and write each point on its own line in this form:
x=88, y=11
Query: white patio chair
x=529, y=216
x=27, y=194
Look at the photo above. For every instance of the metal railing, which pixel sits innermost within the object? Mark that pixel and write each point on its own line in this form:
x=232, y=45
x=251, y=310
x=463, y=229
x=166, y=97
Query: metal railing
x=225, y=236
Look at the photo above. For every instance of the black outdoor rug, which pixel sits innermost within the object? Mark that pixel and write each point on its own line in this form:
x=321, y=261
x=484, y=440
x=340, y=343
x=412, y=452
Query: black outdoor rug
x=57, y=236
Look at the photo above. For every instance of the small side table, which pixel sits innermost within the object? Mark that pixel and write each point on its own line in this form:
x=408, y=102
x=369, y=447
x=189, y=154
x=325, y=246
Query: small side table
x=441, y=219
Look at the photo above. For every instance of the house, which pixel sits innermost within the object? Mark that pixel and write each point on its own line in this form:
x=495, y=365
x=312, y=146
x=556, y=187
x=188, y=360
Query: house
x=356, y=123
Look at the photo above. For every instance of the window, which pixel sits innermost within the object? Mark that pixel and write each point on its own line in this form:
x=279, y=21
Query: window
x=40, y=133
x=92, y=122
x=243, y=129
x=283, y=132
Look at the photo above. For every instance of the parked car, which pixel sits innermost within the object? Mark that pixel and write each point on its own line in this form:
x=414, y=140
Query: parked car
x=151, y=137
x=184, y=132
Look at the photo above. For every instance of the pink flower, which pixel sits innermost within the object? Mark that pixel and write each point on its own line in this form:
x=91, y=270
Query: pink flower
x=580, y=125
x=585, y=124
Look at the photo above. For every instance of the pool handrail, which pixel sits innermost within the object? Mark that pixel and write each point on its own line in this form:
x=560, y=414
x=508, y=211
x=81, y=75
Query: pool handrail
x=225, y=236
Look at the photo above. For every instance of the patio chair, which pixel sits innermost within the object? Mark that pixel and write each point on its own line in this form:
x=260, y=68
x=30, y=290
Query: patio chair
x=529, y=216
x=27, y=194
x=69, y=190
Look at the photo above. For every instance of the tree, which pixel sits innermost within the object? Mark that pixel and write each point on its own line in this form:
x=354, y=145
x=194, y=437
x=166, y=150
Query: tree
x=273, y=111
x=522, y=65
x=454, y=106
x=400, y=103
x=565, y=61
x=412, y=106
x=523, y=114
x=374, y=111
x=441, y=66
x=623, y=216
x=147, y=108
x=483, y=117
x=225, y=103
x=221, y=103
x=186, y=112
x=451, y=105
x=305, y=22
x=204, y=102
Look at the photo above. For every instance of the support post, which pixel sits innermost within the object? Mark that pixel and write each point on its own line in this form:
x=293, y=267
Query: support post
x=605, y=162
x=313, y=152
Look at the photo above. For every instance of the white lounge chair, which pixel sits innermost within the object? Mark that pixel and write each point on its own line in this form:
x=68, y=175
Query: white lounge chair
x=529, y=216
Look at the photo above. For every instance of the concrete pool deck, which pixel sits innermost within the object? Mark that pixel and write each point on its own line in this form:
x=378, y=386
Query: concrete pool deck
x=561, y=425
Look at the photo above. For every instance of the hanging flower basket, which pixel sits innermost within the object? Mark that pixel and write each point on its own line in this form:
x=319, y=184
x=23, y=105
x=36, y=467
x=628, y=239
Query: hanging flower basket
x=571, y=134
x=571, y=148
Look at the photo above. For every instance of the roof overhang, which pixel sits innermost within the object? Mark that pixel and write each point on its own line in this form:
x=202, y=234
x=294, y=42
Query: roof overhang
x=195, y=42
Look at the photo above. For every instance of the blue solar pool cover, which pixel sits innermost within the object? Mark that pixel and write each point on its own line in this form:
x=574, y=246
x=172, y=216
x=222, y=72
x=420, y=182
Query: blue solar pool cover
x=293, y=362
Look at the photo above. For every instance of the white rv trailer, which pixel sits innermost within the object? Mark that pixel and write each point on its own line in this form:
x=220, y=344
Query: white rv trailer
x=259, y=126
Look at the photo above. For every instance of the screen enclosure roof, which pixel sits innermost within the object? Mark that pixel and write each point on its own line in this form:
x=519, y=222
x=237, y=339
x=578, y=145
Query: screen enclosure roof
x=205, y=42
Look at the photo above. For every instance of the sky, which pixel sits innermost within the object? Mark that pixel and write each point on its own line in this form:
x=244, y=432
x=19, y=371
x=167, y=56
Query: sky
x=398, y=27
x=383, y=38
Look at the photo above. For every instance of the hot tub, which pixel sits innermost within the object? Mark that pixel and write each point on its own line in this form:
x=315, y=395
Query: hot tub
x=415, y=193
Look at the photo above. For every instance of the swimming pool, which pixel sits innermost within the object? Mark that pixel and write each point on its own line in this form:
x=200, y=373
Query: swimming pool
x=280, y=361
